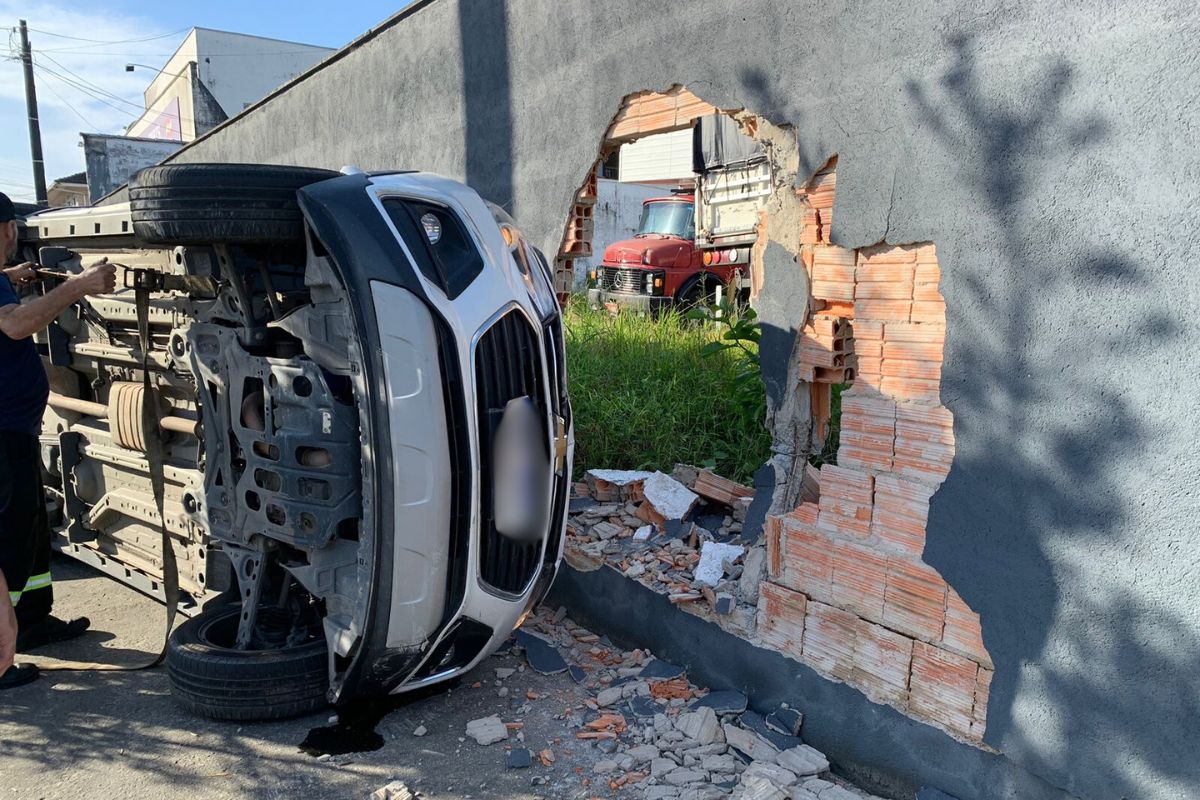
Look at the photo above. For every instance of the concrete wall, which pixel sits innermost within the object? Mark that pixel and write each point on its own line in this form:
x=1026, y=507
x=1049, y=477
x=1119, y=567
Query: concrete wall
x=1057, y=175
x=113, y=160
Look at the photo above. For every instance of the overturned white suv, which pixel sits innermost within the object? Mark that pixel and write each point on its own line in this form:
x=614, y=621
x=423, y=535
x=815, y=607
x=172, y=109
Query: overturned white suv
x=361, y=414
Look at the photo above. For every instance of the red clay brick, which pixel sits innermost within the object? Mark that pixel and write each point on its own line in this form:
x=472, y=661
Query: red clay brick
x=847, y=484
x=859, y=580
x=882, y=662
x=963, y=634
x=925, y=370
x=883, y=310
x=867, y=330
x=927, y=273
x=916, y=332
x=806, y=560
x=834, y=290
x=983, y=688
x=781, y=614
x=886, y=273
x=915, y=599
x=888, y=254
x=900, y=513
x=912, y=389
x=883, y=291
x=829, y=640
x=942, y=687
x=912, y=351
x=805, y=513
x=928, y=311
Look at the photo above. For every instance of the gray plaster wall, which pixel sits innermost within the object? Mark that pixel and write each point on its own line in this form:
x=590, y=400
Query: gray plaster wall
x=113, y=160
x=1050, y=152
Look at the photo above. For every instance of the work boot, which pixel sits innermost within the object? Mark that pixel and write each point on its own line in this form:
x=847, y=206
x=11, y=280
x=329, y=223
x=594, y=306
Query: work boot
x=49, y=630
x=18, y=675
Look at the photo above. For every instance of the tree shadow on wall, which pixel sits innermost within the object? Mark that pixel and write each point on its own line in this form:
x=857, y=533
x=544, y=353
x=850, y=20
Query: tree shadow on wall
x=1094, y=688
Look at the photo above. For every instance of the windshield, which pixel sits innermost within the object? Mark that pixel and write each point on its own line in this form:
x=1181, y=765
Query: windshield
x=671, y=219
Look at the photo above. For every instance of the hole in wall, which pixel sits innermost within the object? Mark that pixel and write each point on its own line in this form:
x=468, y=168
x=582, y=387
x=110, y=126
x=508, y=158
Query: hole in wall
x=859, y=447
x=647, y=237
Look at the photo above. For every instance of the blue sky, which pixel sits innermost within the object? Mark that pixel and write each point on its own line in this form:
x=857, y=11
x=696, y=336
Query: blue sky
x=65, y=110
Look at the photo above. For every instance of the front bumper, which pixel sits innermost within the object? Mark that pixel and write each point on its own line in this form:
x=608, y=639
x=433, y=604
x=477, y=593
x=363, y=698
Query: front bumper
x=639, y=302
x=419, y=630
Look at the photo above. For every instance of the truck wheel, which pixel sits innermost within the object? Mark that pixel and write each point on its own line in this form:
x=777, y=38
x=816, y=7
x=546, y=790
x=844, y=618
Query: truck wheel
x=697, y=292
x=201, y=204
x=210, y=678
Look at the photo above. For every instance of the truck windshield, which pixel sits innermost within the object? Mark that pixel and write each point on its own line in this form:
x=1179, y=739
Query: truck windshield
x=669, y=219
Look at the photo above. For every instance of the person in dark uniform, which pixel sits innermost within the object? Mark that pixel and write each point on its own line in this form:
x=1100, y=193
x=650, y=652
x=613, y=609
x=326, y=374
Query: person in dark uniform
x=26, y=595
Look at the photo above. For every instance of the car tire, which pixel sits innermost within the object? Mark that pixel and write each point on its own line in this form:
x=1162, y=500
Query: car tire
x=211, y=679
x=201, y=204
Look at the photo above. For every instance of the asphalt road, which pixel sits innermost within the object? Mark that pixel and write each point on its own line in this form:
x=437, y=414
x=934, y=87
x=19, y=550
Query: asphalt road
x=116, y=735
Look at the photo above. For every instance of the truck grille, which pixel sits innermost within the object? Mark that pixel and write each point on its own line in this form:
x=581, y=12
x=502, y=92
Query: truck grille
x=622, y=279
x=507, y=365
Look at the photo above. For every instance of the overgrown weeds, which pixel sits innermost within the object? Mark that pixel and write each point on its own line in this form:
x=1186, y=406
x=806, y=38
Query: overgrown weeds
x=650, y=392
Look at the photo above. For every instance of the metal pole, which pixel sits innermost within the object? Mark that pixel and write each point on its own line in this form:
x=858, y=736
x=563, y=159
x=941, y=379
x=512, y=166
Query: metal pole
x=35, y=131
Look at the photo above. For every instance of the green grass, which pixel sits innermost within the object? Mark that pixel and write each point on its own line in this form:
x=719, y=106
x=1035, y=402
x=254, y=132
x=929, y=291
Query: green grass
x=645, y=398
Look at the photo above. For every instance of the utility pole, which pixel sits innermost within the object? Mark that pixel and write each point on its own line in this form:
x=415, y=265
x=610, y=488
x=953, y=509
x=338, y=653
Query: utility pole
x=35, y=130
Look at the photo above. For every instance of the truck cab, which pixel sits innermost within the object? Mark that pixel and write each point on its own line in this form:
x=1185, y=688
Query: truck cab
x=693, y=246
x=662, y=264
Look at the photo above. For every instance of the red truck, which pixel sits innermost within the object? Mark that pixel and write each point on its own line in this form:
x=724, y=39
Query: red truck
x=689, y=246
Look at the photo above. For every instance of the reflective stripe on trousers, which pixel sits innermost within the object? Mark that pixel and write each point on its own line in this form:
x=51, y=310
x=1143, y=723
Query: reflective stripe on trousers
x=41, y=581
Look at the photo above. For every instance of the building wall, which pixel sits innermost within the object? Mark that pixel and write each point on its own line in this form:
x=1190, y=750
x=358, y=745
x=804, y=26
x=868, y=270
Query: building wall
x=1056, y=177
x=59, y=195
x=238, y=69
x=662, y=157
x=113, y=160
x=234, y=70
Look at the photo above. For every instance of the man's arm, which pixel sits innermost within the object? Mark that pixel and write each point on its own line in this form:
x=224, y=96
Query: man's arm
x=8, y=627
x=25, y=319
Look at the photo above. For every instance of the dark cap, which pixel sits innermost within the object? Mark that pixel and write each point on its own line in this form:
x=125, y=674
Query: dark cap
x=7, y=210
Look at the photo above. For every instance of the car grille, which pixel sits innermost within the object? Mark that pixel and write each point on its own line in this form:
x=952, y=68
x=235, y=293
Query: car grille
x=507, y=365
x=622, y=279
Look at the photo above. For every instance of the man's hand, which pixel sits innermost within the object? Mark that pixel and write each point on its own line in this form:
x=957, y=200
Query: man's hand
x=99, y=278
x=20, y=274
x=8, y=628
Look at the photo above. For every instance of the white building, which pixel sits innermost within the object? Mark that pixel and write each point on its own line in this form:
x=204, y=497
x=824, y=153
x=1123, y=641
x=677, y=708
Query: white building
x=214, y=75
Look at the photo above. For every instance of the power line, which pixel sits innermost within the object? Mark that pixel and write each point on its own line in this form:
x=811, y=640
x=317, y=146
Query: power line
x=83, y=90
x=86, y=82
x=65, y=102
x=112, y=41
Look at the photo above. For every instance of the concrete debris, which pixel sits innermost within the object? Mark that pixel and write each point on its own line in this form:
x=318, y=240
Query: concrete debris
x=701, y=726
x=667, y=497
x=487, y=730
x=540, y=654
x=420, y=730
x=396, y=790
x=727, y=702
x=714, y=556
x=786, y=721
x=618, y=477
x=652, y=733
x=629, y=527
x=803, y=760
x=749, y=743
x=753, y=568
